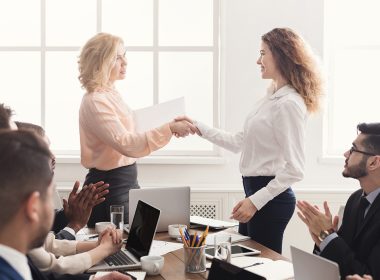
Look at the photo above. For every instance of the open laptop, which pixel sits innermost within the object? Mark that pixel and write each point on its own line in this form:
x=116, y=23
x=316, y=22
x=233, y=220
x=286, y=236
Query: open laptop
x=313, y=267
x=174, y=203
x=221, y=270
x=139, y=241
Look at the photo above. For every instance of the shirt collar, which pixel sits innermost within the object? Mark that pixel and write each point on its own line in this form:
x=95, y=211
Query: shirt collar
x=372, y=195
x=286, y=89
x=17, y=260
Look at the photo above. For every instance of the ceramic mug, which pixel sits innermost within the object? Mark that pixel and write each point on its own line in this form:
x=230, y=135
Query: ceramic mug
x=152, y=265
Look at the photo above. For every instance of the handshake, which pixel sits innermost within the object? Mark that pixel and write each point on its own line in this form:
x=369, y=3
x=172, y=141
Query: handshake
x=182, y=126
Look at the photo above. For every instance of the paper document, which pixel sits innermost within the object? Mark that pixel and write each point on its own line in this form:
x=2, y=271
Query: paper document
x=160, y=248
x=213, y=223
x=139, y=275
x=154, y=116
x=224, y=236
x=276, y=270
x=246, y=262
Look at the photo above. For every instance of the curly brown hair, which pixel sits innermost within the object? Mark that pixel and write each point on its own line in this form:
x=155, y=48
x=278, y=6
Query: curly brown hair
x=297, y=64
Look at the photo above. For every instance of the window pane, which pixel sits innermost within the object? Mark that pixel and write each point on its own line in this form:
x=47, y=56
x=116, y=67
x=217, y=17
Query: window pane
x=354, y=73
x=137, y=87
x=190, y=75
x=130, y=19
x=354, y=22
x=20, y=74
x=20, y=23
x=63, y=97
x=70, y=22
x=183, y=22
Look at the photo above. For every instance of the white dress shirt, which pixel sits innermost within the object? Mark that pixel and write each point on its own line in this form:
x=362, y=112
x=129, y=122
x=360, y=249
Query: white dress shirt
x=271, y=143
x=17, y=260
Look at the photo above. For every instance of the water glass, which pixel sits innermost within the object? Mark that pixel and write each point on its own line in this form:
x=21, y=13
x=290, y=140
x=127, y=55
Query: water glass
x=223, y=248
x=117, y=216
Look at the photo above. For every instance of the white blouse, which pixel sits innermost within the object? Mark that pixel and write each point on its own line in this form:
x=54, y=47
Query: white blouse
x=60, y=256
x=271, y=143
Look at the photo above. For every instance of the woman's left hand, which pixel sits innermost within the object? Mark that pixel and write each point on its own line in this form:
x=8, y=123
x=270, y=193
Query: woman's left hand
x=243, y=211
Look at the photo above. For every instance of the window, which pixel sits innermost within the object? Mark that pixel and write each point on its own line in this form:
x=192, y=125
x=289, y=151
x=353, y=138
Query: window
x=353, y=57
x=172, y=51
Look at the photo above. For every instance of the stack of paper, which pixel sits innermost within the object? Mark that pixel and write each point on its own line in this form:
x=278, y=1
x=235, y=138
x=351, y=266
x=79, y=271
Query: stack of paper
x=224, y=236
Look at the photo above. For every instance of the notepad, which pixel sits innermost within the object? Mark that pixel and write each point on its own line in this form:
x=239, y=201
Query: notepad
x=212, y=223
x=140, y=275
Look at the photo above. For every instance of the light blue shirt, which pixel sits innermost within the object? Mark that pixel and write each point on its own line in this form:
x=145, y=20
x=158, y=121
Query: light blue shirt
x=371, y=198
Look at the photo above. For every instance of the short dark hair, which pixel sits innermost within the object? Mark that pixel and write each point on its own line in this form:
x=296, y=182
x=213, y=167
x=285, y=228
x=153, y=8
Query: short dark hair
x=31, y=126
x=372, y=140
x=25, y=168
x=5, y=116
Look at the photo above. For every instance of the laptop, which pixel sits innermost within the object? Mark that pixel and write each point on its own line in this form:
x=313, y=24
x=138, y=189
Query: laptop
x=313, y=267
x=139, y=241
x=221, y=270
x=174, y=203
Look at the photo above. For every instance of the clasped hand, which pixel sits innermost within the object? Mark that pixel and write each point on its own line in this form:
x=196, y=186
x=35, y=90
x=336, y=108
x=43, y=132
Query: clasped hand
x=182, y=126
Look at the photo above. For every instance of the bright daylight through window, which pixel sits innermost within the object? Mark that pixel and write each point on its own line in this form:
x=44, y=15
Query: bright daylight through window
x=167, y=58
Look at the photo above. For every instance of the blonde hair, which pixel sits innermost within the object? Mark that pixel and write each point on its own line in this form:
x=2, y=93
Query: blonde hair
x=297, y=64
x=97, y=59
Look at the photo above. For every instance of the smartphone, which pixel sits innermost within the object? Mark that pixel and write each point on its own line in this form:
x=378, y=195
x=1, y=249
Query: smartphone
x=236, y=251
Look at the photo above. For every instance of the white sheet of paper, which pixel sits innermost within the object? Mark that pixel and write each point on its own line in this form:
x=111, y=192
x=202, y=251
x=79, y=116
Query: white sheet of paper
x=140, y=275
x=154, y=116
x=277, y=270
x=160, y=248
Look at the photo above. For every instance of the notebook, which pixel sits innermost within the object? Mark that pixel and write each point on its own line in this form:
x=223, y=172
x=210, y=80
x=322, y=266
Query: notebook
x=221, y=270
x=139, y=241
x=212, y=223
x=174, y=203
x=313, y=267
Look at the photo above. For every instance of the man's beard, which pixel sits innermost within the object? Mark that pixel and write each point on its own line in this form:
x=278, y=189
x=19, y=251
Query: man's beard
x=44, y=229
x=356, y=171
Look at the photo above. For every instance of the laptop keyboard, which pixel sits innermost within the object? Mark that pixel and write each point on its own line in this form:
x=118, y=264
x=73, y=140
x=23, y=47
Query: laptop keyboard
x=119, y=258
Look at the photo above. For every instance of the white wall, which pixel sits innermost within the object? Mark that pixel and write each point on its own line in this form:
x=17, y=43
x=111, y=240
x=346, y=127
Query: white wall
x=242, y=24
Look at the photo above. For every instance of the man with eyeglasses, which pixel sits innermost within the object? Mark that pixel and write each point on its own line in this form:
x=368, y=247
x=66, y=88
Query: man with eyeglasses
x=355, y=246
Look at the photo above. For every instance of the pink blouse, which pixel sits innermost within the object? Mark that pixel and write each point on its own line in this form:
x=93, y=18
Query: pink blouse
x=108, y=137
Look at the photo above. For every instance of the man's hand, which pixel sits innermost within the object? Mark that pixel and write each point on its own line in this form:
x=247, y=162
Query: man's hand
x=182, y=128
x=79, y=206
x=114, y=275
x=243, y=211
x=315, y=219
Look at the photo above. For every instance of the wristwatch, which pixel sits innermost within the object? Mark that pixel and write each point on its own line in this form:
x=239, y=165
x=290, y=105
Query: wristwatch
x=324, y=233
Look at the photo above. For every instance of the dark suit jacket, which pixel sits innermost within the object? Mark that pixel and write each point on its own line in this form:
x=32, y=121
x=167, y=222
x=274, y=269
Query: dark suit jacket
x=60, y=222
x=7, y=272
x=357, y=251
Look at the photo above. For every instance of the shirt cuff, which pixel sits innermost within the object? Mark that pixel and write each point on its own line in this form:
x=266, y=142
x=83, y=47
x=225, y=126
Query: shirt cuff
x=202, y=127
x=71, y=231
x=260, y=198
x=327, y=240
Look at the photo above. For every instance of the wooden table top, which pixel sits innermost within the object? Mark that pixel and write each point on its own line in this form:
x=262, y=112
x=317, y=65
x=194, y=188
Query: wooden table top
x=174, y=267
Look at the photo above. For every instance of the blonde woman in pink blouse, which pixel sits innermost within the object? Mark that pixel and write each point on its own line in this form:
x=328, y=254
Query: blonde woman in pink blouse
x=109, y=142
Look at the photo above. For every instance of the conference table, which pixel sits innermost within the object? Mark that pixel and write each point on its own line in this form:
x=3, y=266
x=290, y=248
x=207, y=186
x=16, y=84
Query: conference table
x=174, y=267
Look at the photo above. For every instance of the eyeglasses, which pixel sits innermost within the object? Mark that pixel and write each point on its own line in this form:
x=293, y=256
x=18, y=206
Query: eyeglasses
x=353, y=149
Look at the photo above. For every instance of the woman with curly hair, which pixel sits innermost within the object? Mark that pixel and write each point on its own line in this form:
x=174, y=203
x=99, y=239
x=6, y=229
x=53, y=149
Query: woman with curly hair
x=272, y=141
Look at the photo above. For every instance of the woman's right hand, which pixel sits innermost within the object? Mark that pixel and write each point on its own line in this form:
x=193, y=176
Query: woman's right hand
x=182, y=128
x=111, y=241
x=186, y=118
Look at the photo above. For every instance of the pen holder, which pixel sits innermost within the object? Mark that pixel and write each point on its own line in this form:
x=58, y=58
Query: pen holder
x=195, y=259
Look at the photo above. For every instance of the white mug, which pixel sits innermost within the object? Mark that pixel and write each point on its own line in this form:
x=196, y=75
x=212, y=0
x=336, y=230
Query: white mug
x=152, y=265
x=173, y=230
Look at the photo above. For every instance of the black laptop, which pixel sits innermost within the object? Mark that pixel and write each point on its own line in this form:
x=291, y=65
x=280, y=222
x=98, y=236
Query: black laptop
x=139, y=241
x=221, y=270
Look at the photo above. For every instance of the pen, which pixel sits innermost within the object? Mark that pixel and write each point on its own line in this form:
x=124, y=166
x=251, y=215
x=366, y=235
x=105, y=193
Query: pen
x=93, y=236
x=253, y=264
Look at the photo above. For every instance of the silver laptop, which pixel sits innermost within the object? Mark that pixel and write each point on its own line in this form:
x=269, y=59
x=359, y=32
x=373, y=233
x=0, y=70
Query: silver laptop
x=139, y=241
x=312, y=267
x=174, y=203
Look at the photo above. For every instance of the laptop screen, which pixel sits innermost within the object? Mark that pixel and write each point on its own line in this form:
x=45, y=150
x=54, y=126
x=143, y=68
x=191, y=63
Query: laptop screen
x=221, y=270
x=142, y=230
